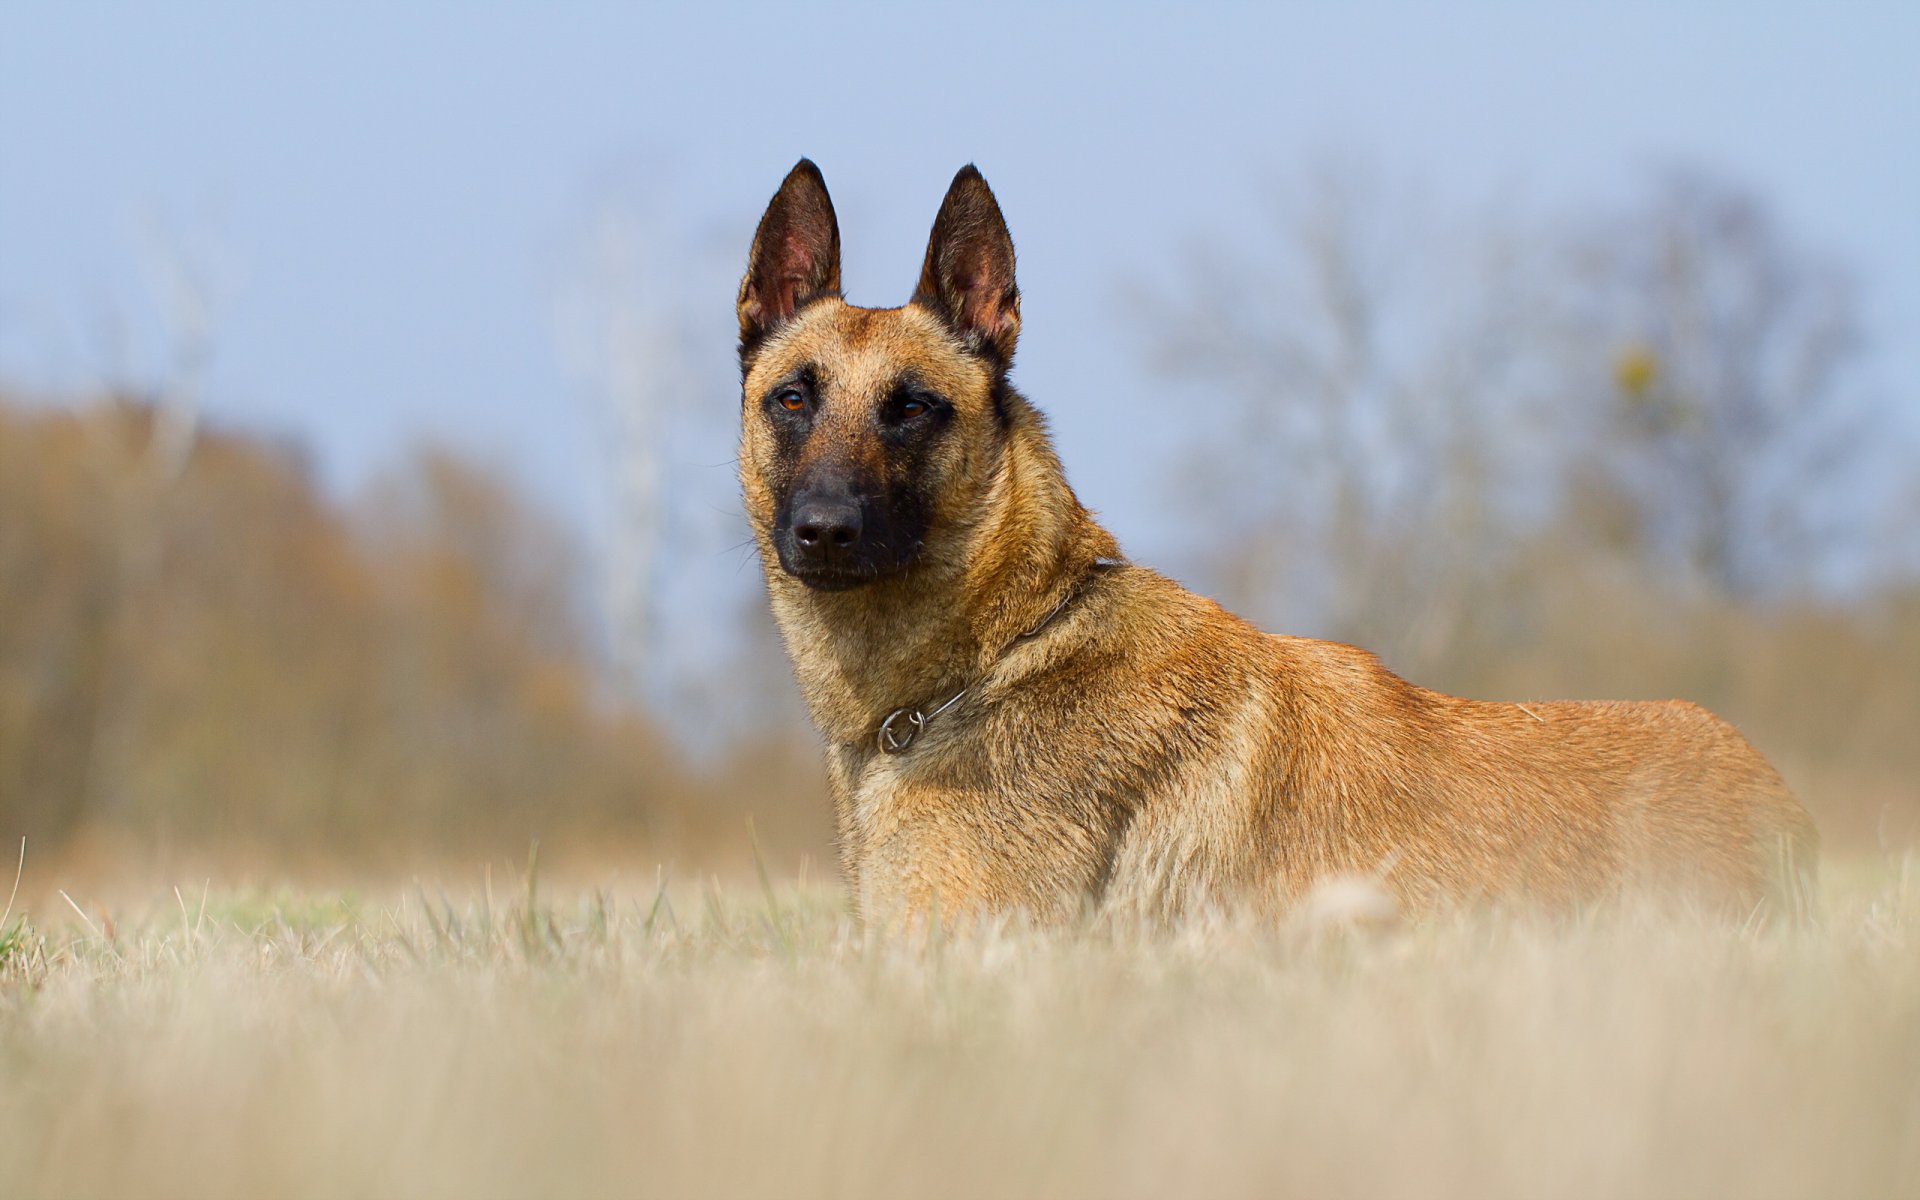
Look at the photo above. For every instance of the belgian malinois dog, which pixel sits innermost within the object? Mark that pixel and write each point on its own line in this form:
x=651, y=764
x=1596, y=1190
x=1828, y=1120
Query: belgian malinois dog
x=1019, y=720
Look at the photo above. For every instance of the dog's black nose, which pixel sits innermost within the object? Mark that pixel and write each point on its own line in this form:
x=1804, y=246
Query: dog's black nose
x=826, y=528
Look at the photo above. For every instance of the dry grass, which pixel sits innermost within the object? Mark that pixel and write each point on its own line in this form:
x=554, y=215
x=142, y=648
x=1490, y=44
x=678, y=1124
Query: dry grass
x=748, y=1043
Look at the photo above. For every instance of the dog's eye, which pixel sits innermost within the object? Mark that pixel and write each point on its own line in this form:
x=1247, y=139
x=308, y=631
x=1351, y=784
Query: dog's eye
x=914, y=408
x=791, y=400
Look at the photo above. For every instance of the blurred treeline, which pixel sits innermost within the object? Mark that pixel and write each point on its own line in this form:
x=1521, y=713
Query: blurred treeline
x=1634, y=452
x=200, y=651
x=1631, y=452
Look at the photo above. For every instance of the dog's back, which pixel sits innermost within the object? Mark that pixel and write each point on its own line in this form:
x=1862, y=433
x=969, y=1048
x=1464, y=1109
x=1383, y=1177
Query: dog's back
x=1234, y=766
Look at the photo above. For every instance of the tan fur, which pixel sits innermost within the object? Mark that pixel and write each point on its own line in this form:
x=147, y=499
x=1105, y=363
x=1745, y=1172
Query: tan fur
x=1147, y=752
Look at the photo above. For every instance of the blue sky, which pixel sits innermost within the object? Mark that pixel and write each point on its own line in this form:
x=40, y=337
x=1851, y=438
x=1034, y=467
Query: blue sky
x=393, y=199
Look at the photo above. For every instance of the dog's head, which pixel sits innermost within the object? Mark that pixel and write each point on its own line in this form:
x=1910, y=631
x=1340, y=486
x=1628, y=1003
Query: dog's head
x=867, y=432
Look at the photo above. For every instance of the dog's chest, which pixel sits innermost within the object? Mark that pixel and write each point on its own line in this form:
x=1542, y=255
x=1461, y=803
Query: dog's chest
x=872, y=803
x=905, y=816
x=920, y=839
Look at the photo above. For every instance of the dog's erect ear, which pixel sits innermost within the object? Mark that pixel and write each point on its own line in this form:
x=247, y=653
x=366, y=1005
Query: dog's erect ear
x=795, y=256
x=968, y=275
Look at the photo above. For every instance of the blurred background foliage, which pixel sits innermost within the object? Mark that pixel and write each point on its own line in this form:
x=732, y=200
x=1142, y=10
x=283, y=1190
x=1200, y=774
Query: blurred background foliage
x=198, y=648
x=1612, y=455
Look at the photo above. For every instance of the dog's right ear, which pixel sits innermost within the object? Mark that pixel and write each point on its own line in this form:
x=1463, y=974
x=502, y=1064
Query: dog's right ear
x=795, y=256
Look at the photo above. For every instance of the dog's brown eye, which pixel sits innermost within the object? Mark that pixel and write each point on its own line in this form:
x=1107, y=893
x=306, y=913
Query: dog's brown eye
x=913, y=408
x=791, y=400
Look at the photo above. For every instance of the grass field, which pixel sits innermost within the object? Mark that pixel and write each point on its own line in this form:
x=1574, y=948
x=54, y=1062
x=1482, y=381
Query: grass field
x=748, y=1042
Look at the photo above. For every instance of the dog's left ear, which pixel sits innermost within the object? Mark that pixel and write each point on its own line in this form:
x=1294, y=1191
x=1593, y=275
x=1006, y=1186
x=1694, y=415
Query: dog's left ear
x=795, y=255
x=968, y=275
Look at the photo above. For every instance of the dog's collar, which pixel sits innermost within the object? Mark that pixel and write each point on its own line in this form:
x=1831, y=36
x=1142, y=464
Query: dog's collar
x=903, y=725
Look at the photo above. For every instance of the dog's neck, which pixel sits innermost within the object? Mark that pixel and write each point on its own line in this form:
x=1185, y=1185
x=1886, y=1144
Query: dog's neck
x=917, y=637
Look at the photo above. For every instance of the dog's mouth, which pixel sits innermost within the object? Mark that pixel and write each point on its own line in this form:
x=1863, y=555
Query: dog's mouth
x=833, y=579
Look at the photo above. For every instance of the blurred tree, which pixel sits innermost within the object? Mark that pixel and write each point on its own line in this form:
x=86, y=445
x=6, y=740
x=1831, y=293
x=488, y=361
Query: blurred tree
x=1380, y=395
x=625, y=340
x=1715, y=353
x=1419, y=415
x=282, y=674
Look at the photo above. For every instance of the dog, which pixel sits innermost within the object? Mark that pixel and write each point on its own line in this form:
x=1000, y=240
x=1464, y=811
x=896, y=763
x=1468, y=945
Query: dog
x=1019, y=720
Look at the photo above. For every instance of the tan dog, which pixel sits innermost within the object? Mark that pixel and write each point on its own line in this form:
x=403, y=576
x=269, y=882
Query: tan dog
x=1017, y=720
